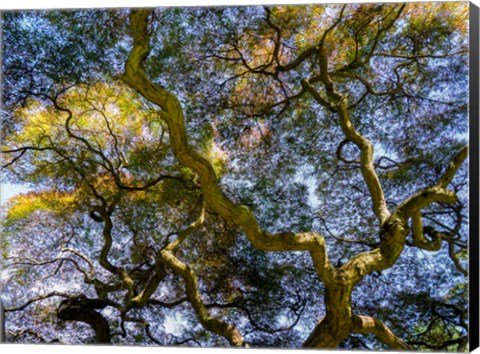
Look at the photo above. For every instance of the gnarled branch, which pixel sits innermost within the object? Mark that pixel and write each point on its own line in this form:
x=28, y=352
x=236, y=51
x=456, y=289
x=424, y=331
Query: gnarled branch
x=452, y=167
x=418, y=233
x=366, y=162
x=83, y=309
x=366, y=325
x=210, y=323
x=172, y=114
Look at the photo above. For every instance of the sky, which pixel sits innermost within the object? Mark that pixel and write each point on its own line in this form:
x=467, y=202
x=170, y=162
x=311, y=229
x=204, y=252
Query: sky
x=8, y=190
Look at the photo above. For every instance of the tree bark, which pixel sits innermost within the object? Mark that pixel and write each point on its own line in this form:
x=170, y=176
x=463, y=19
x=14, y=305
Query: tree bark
x=366, y=324
x=83, y=310
x=332, y=329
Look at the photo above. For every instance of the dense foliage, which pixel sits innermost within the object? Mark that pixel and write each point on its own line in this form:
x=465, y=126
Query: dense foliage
x=252, y=176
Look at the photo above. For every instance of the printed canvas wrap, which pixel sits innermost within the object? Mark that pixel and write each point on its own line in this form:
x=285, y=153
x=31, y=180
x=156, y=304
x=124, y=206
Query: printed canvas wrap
x=269, y=176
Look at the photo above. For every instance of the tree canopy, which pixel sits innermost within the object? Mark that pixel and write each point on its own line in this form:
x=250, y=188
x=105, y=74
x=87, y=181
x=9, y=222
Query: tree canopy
x=279, y=176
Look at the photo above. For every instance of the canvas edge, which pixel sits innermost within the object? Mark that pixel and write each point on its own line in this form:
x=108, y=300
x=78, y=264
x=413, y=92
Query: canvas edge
x=474, y=178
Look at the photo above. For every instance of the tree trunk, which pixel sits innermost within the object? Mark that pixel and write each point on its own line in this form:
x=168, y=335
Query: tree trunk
x=332, y=329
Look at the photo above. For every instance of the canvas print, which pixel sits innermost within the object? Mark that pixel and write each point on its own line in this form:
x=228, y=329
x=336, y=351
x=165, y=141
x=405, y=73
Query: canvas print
x=291, y=176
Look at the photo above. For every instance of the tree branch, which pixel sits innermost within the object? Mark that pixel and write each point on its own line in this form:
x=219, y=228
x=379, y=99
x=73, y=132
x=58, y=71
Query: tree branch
x=210, y=323
x=182, y=235
x=167, y=304
x=103, y=259
x=395, y=229
x=453, y=166
x=146, y=326
x=368, y=86
x=366, y=162
x=33, y=262
x=419, y=239
x=376, y=40
x=453, y=257
x=22, y=151
x=238, y=303
x=172, y=114
x=178, y=267
x=366, y=325
x=83, y=309
x=30, y=332
x=419, y=56
x=38, y=298
x=424, y=198
x=82, y=256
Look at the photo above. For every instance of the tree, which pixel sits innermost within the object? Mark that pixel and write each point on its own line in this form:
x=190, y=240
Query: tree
x=261, y=176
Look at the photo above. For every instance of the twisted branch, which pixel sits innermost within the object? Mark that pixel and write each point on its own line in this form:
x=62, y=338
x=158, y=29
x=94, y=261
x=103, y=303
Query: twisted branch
x=172, y=114
x=418, y=233
x=210, y=323
x=366, y=325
